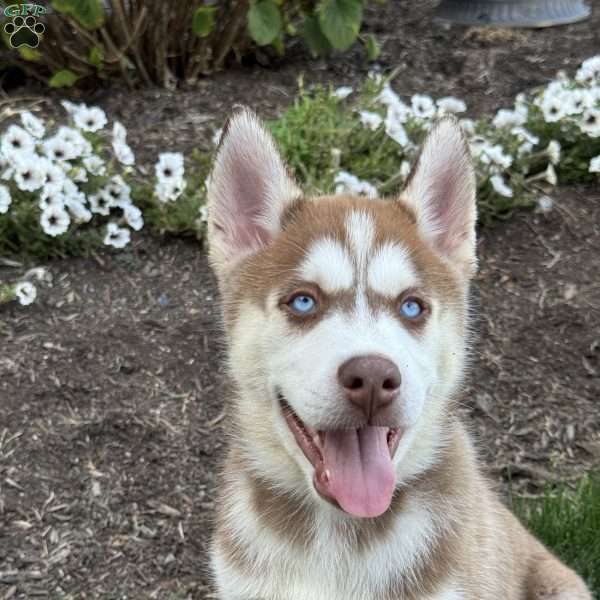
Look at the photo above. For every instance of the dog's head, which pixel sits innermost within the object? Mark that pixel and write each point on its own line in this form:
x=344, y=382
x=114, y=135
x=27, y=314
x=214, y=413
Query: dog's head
x=345, y=316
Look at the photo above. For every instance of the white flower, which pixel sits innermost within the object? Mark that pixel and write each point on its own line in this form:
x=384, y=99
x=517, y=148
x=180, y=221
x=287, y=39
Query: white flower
x=25, y=292
x=101, y=202
x=398, y=113
x=496, y=155
x=119, y=192
x=78, y=210
x=169, y=166
x=55, y=220
x=116, y=236
x=451, y=105
x=79, y=174
x=94, y=164
x=57, y=149
x=576, y=101
x=521, y=107
x=89, y=118
x=15, y=142
x=70, y=107
x=404, y=169
x=119, y=132
x=589, y=70
x=32, y=124
x=550, y=175
x=29, y=174
x=525, y=136
x=370, y=119
x=590, y=122
x=553, y=107
x=388, y=96
x=54, y=176
x=422, y=106
x=41, y=274
x=396, y=131
x=77, y=144
x=204, y=213
x=525, y=148
x=468, y=126
x=348, y=183
x=51, y=198
x=343, y=92
x=5, y=199
x=500, y=186
x=133, y=217
x=123, y=153
x=70, y=190
x=477, y=145
x=508, y=118
x=595, y=165
x=554, y=88
x=553, y=151
x=545, y=204
x=216, y=138
x=169, y=190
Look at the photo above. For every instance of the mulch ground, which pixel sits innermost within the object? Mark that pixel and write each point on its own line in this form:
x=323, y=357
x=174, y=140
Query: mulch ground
x=112, y=387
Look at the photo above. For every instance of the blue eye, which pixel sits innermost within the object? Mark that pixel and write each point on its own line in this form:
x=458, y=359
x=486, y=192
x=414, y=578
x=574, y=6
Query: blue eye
x=302, y=304
x=411, y=308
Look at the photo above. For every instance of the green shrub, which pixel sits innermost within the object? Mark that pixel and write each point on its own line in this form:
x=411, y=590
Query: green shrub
x=158, y=42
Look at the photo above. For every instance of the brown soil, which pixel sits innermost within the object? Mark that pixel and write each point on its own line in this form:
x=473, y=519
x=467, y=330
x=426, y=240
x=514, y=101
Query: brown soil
x=112, y=410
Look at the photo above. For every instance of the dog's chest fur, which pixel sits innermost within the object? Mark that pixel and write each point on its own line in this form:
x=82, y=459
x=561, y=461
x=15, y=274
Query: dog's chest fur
x=270, y=545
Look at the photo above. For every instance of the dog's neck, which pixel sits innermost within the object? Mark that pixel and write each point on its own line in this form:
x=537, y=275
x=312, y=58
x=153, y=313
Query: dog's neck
x=423, y=517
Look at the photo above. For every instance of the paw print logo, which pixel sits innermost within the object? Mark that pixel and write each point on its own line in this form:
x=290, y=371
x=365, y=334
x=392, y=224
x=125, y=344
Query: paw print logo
x=24, y=32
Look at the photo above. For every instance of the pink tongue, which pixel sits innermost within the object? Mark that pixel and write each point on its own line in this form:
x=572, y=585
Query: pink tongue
x=361, y=473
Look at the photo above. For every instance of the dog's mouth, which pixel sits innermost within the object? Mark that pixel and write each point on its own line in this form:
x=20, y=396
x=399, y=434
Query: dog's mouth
x=353, y=467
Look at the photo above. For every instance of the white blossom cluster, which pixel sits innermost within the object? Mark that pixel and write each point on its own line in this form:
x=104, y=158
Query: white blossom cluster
x=75, y=173
x=505, y=148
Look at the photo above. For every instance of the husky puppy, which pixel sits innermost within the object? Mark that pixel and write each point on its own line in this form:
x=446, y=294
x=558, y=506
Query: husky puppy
x=349, y=475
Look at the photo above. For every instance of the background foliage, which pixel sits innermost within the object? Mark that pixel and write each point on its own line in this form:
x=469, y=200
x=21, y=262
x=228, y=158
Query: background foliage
x=157, y=42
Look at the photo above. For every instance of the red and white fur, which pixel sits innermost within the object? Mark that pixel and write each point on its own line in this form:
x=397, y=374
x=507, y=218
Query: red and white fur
x=359, y=488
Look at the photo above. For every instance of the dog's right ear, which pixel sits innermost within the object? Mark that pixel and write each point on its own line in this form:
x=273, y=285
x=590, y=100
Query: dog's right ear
x=249, y=190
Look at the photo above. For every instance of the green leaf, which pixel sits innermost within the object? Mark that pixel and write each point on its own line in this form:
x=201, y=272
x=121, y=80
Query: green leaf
x=279, y=45
x=373, y=47
x=63, y=78
x=96, y=56
x=340, y=21
x=317, y=43
x=204, y=21
x=30, y=54
x=89, y=13
x=264, y=22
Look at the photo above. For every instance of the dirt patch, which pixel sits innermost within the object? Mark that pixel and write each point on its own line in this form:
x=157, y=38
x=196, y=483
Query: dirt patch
x=113, y=397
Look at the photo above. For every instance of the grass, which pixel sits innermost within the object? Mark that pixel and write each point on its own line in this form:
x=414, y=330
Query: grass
x=568, y=522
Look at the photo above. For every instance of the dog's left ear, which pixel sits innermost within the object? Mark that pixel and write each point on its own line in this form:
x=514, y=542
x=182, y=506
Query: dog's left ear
x=441, y=191
x=248, y=192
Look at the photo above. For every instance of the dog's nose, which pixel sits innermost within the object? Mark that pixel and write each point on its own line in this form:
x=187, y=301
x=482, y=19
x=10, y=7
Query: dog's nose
x=370, y=382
